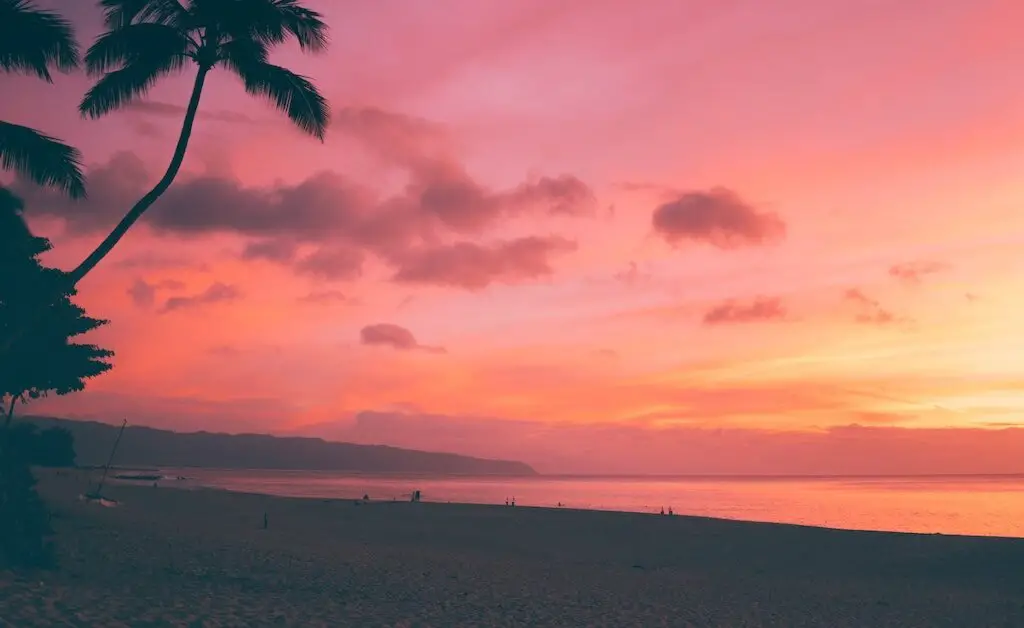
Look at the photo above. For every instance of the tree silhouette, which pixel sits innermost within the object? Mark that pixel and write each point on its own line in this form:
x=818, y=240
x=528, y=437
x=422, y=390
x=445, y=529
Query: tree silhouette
x=32, y=41
x=148, y=40
x=55, y=447
x=43, y=359
x=52, y=447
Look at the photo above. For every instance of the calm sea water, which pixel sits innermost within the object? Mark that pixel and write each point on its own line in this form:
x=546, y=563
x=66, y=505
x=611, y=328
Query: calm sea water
x=973, y=505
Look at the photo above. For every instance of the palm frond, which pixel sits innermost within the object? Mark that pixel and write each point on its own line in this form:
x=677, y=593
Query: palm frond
x=268, y=22
x=41, y=158
x=146, y=41
x=273, y=21
x=120, y=87
x=121, y=13
x=293, y=94
x=32, y=40
x=306, y=25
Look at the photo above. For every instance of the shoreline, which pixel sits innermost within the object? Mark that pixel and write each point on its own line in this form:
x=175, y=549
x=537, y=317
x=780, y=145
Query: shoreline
x=381, y=502
x=202, y=558
x=350, y=491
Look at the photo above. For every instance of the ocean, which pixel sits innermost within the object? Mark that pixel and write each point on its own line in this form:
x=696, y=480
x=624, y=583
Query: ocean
x=968, y=505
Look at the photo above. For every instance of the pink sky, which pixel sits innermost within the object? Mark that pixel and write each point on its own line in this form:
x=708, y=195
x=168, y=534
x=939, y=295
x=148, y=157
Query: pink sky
x=593, y=235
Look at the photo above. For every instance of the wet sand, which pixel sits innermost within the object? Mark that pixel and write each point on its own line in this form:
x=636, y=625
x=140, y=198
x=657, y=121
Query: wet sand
x=168, y=557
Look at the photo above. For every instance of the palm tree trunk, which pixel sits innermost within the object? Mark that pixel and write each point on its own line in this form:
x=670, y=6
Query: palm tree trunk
x=146, y=201
x=9, y=413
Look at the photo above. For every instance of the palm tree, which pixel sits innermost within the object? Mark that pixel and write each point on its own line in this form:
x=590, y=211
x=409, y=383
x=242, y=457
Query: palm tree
x=31, y=41
x=148, y=40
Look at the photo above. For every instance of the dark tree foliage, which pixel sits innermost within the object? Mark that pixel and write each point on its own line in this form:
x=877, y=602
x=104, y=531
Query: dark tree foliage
x=52, y=447
x=41, y=361
x=24, y=519
x=44, y=359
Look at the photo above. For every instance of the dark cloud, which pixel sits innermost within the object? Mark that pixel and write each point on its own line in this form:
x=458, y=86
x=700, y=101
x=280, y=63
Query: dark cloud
x=282, y=251
x=439, y=200
x=332, y=263
x=216, y=293
x=151, y=261
x=760, y=309
x=717, y=217
x=146, y=128
x=394, y=336
x=177, y=112
x=143, y=293
x=871, y=310
x=914, y=272
x=474, y=266
x=323, y=297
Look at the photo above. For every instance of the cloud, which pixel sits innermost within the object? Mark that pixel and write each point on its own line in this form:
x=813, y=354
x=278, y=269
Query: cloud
x=143, y=293
x=323, y=297
x=168, y=110
x=332, y=263
x=474, y=266
x=282, y=251
x=439, y=202
x=395, y=336
x=216, y=293
x=760, y=309
x=872, y=312
x=717, y=217
x=914, y=272
x=631, y=275
x=151, y=261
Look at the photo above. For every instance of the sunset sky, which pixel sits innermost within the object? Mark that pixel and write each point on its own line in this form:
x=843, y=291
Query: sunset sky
x=714, y=236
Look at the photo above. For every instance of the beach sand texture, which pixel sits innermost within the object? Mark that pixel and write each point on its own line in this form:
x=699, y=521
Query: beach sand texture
x=168, y=557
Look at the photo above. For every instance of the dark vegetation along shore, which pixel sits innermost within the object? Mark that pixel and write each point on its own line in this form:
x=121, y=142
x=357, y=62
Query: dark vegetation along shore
x=168, y=557
x=147, y=447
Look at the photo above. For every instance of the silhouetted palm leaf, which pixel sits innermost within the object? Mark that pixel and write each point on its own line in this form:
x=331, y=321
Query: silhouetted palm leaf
x=41, y=158
x=135, y=42
x=32, y=40
x=293, y=94
x=121, y=13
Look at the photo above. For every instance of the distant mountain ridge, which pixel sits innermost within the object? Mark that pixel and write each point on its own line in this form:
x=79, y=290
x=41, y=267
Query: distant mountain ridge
x=150, y=447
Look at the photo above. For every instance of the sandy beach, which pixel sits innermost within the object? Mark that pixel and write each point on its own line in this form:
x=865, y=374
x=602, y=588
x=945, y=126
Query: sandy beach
x=167, y=557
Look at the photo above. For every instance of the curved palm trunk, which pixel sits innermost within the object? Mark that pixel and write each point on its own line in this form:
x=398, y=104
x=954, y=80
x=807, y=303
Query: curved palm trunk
x=146, y=201
x=136, y=212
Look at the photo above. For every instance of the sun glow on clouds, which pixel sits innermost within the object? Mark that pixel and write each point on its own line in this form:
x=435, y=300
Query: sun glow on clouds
x=541, y=234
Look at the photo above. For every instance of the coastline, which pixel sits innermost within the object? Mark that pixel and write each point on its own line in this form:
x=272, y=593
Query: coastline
x=202, y=558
